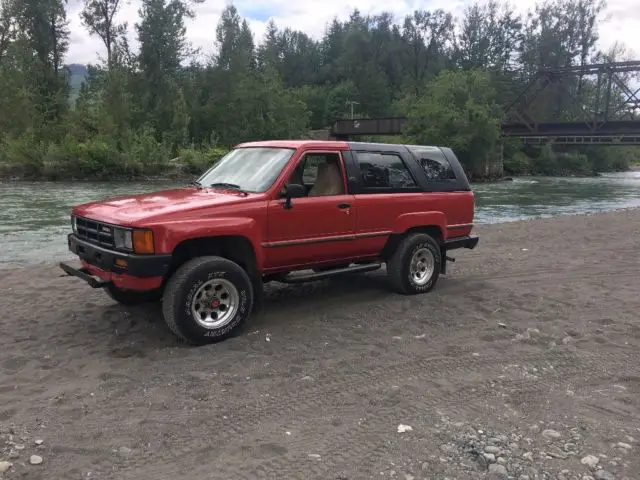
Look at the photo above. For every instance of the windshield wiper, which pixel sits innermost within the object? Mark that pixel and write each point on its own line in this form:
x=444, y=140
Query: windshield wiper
x=232, y=186
x=195, y=183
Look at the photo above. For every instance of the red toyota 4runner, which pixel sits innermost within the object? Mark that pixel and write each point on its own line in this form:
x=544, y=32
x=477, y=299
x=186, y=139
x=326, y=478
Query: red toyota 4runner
x=286, y=211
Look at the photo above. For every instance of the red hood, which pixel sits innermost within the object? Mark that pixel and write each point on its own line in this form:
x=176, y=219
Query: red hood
x=130, y=210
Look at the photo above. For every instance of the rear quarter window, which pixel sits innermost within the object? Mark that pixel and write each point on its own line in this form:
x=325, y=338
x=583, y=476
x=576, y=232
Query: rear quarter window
x=434, y=163
x=384, y=172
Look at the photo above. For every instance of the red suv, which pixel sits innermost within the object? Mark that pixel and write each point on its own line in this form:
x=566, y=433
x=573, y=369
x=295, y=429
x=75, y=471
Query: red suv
x=286, y=211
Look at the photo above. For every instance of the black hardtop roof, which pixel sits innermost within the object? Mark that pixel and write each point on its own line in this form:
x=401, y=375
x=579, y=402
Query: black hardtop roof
x=391, y=145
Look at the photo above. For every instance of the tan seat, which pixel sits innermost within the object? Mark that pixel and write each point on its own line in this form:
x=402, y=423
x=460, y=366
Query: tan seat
x=329, y=181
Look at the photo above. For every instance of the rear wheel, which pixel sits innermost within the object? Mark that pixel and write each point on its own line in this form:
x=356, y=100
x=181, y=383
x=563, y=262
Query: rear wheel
x=415, y=265
x=207, y=300
x=133, y=297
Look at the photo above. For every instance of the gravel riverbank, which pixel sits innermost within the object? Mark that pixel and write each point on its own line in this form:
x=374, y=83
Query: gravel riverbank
x=523, y=364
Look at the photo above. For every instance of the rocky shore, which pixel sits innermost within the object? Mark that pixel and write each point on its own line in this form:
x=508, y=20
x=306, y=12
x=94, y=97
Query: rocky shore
x=522, y=364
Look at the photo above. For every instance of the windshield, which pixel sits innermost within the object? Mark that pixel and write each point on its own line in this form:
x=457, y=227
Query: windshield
x=252, y=169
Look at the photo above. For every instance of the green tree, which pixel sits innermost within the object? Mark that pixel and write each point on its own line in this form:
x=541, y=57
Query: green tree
x=137, y=109
x=163, y=47
x=99, y=18
x=458, y=110
x=235, y=42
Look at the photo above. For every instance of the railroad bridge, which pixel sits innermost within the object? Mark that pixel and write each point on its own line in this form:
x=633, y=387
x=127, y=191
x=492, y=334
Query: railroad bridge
x=589, y=104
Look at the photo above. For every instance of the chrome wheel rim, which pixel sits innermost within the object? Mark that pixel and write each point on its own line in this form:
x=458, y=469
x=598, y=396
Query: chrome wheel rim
x=422, y=266
x=215, y=303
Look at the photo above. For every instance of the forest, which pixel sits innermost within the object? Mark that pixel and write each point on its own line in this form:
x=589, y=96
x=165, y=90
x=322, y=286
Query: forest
x=165, y=108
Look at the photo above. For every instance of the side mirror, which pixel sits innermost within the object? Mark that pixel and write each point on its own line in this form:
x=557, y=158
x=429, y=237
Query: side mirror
x=293, y=190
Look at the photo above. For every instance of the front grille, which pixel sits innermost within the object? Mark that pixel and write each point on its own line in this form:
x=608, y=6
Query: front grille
x=94, y=232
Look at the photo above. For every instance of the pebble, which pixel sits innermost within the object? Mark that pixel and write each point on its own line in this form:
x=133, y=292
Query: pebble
x=549, y=433
x=604, y=475
x=559, y=455
x=35, y=460
x=314, y=455
x=528, y=456
x=626, y=446
x=490, y=457
x=448, y=448
x=125, y=451
x=404, y=428
x=13, y=454
x=39, y=442
x=4, y=466
x=590, y=460
x=588, y=477
x=498, y=471
x=491, y=449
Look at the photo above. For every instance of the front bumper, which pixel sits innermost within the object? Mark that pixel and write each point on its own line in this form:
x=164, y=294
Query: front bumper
x=99, y=267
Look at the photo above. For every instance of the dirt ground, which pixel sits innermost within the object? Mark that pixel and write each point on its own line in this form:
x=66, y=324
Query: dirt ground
x=523, y=363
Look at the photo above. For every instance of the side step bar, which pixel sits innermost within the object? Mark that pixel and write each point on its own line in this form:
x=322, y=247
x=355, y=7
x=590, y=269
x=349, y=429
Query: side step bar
x=312, y=277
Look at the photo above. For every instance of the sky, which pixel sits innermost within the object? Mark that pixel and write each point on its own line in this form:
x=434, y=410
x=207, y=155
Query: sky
x=621, y=23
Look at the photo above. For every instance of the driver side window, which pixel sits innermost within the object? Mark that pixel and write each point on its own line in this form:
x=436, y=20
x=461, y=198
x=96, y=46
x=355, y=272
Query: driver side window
x=320, y=173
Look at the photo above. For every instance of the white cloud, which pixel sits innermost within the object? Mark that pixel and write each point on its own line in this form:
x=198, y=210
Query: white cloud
x=312, y=16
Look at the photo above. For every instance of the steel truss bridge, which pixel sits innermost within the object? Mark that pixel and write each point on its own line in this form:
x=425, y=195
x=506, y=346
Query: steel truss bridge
x=596, y=103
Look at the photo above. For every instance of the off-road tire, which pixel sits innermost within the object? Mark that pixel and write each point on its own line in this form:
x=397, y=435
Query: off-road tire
x=183, y=285
x=130, y=298
x=398, y=266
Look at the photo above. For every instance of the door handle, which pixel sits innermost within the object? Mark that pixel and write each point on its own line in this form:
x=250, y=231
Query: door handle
x=343, y=206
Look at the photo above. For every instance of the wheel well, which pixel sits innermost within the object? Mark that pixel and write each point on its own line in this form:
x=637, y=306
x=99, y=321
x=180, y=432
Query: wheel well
x=395, y=238
x=236, y=248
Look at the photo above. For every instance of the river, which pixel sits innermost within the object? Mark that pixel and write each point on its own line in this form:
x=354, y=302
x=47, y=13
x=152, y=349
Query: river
x=34, y=216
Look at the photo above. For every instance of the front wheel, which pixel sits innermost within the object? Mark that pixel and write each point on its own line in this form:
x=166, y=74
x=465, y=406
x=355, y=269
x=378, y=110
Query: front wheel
x=415, y=266
x=207, y=300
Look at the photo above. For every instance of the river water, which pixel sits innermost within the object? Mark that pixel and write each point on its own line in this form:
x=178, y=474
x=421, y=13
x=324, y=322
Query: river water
x=34, y=216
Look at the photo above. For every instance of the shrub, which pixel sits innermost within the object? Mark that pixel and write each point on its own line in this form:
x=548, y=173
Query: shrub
x=22, y=156
x=146, y=155
x=196, y=162
x=518, y=163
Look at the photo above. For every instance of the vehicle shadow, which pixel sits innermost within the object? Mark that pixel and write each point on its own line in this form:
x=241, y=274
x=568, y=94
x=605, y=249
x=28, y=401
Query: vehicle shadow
x=283, y=306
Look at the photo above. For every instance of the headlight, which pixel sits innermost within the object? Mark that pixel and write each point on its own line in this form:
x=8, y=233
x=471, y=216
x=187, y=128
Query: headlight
x=122, y=239
x=73, y=224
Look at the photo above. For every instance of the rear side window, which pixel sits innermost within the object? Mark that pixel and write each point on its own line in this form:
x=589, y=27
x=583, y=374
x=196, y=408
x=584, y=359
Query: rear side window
x=384, y=172
x=434, y=163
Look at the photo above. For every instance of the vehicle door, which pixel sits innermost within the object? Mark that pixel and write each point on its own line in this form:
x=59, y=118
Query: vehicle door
x=319, y=227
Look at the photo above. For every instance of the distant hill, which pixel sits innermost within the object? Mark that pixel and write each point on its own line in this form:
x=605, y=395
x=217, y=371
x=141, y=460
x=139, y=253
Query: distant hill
x=77, y=76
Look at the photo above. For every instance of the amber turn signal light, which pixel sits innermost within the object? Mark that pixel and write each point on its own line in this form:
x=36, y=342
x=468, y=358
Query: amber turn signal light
x=143, y=241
